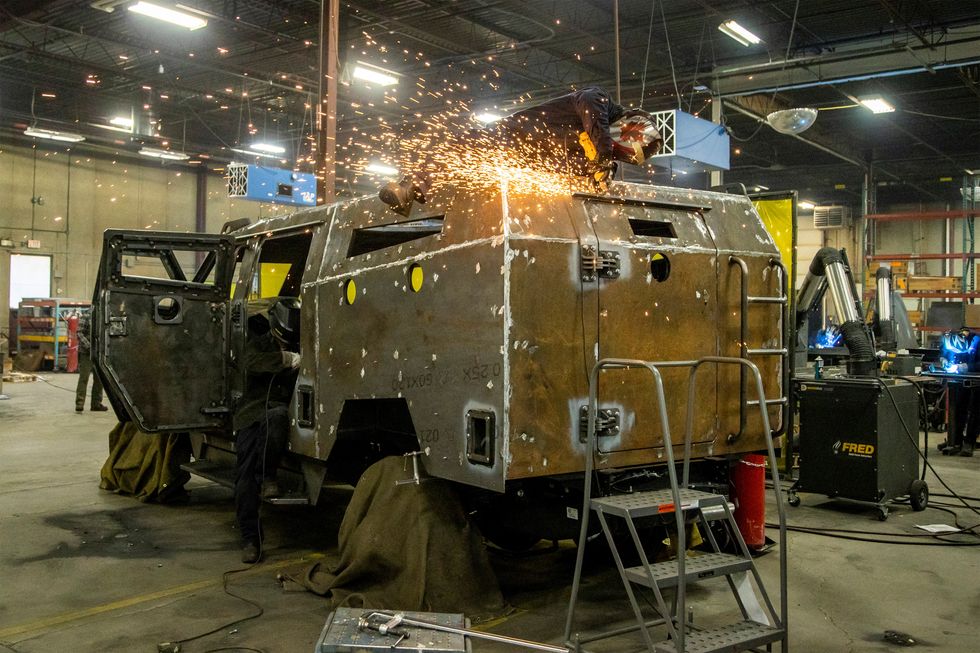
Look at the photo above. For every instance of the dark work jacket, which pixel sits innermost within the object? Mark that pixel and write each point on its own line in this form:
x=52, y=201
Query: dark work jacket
x=590, y=109
x=267, y=376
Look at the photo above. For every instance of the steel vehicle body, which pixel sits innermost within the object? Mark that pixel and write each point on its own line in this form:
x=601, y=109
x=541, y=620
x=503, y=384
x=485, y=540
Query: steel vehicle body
x=465, y=330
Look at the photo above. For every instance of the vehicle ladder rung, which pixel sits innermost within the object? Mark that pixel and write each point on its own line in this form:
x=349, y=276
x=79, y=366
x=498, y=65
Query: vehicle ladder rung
x=725, y=639
x=767, y=352
x=696, y=568
x=643, y=504
x=766, y=300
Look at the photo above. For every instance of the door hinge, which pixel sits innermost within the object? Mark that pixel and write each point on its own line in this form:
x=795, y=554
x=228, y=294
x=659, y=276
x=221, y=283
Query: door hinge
x=117, y=326
x=602, y=264
x=606, y=423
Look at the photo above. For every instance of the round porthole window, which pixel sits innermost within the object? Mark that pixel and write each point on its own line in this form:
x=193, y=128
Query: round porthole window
x=660, y=267
x=415, y=277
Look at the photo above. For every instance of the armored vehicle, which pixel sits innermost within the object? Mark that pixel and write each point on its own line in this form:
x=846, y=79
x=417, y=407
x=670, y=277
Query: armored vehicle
x=463, y=332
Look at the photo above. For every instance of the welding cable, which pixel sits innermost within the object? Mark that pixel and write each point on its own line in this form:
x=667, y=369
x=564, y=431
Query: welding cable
x=259, y=611
x=55, y=385
x=265, y=448
x=915, y=442
x=924, y=418
x=234, y=648
x=873, y=540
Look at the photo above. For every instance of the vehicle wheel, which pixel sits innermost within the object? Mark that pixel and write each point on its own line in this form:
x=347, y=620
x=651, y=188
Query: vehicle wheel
x=919, y=495
x=794, y=500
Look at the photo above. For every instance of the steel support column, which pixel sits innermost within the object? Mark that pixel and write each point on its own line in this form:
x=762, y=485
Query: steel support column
x=326, y=115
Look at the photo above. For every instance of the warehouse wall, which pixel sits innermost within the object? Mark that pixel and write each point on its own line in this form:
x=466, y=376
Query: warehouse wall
x=85, y=194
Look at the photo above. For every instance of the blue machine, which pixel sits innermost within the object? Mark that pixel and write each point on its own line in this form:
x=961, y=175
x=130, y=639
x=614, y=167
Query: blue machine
x=691, y=144
x=264, y=184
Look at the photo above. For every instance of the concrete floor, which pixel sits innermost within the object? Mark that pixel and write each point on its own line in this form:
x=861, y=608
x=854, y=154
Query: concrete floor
x=86, y=570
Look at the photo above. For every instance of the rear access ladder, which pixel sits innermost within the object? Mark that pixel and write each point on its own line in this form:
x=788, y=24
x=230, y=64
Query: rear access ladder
x=760, y=624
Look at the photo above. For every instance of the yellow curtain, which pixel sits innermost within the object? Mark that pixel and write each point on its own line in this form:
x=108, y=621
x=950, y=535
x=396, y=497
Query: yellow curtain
x=777, y=216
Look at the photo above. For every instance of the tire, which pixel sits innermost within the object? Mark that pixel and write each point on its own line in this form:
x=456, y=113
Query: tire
x=919, y=495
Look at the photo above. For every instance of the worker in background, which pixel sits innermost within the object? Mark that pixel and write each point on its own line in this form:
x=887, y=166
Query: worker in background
x=84, y=335
x=960, y=354
x=261, y=420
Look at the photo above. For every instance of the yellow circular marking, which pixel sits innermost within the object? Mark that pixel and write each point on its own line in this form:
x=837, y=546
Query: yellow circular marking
x=350, y=291
x=416, y=276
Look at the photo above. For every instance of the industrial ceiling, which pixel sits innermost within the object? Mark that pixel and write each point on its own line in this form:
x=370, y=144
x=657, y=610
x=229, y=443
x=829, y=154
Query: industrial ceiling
x=251, y=75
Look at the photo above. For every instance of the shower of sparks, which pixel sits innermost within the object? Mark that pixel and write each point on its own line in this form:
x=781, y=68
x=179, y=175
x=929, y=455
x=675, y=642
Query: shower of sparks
x=424, y=127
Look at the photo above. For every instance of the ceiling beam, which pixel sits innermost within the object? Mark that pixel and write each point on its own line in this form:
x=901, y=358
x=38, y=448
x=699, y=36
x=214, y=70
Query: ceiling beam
x=867, y=60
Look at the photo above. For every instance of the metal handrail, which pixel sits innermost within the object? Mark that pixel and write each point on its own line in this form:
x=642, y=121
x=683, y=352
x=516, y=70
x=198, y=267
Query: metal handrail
x=678, y=633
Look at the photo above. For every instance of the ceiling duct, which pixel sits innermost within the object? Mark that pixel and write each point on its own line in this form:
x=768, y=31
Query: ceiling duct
x=107, y=6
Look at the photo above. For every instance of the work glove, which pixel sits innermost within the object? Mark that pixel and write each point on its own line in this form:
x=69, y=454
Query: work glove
x=602, y=173
x=290, y=360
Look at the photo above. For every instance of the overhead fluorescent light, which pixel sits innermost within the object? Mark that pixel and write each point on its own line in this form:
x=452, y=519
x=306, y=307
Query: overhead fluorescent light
x=734, y=30
x=120, y=121
x=877, y=105
x=257, y=153
x=373, y=74
x=267, y=147
x=805, y=205
x=168, y=15
x=163, y=154
x=53, y=135
x=381, y=169
x=486, y=117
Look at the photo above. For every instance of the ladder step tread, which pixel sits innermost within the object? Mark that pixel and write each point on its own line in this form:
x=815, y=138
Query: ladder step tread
x=641, y=504
x=725, y=639
x=701, y=567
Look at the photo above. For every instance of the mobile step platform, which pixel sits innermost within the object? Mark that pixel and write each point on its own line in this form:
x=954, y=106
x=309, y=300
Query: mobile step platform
x=756, y=622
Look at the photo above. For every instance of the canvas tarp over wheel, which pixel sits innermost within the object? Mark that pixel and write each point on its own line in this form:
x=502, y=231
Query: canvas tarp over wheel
x=407, y=547
x=146, y=466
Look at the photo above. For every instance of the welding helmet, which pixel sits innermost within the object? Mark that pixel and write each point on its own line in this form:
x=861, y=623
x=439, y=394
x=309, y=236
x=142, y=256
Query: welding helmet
x=284, y=317
x=635, y=138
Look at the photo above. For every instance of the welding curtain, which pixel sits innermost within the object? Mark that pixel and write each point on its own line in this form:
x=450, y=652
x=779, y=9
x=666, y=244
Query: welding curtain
x=777, y=216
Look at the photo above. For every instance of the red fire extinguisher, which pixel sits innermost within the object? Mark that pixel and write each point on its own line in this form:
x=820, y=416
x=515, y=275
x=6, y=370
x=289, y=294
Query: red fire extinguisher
x=72, y=355
x=748, y=479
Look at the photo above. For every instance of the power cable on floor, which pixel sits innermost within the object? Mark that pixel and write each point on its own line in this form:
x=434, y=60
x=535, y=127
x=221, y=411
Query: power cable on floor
x=174, y=645
x=8, y=647
x=55, y=385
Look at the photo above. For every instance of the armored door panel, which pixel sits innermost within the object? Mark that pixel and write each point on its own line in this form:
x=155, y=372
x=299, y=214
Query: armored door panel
x=551, y=352
x=161, y=328
x=662, y=306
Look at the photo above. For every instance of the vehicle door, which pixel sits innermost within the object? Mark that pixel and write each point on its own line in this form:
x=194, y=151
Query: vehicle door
x=161, y=328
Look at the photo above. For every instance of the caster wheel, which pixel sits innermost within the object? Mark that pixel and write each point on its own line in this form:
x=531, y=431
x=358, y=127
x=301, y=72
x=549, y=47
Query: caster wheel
x=919, y=495
x=882, y=513
x=794, y=500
